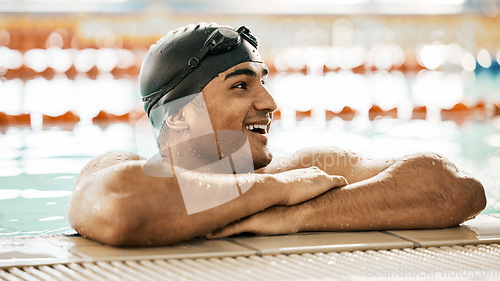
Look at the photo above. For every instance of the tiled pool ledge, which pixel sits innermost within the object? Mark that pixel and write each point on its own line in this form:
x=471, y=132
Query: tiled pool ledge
x=64, y=249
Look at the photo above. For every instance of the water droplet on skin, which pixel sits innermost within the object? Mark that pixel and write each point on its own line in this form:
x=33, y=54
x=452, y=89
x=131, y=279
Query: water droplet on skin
x=208, y=186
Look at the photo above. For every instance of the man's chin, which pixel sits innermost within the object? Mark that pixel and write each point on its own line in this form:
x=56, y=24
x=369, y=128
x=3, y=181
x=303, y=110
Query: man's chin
x=262, y=160
x=261, y=154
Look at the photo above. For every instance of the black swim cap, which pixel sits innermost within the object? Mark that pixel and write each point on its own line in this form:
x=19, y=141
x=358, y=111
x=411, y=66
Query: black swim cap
x=185, y=60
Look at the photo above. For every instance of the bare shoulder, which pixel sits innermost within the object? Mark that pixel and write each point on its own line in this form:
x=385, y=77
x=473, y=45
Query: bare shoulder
x=104, y=161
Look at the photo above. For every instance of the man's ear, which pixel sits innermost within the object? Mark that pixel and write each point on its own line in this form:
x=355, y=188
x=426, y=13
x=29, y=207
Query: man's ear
x=177, y=121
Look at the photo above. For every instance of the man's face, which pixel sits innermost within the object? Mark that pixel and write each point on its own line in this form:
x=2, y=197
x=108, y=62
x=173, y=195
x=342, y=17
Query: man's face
x=238, y=100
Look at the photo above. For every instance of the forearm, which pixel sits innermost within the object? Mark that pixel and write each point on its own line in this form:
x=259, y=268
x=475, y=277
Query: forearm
x=174, y=224
x=415, y=192
x=372, y=204
x=126, y=207
x=121, y=205
x=352, y=166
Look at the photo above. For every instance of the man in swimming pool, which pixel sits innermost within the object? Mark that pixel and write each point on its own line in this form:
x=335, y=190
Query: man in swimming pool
x=203, y=88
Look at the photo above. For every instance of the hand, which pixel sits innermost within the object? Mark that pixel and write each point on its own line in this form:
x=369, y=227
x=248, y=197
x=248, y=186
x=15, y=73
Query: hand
x=272, y=221
x=300, y=185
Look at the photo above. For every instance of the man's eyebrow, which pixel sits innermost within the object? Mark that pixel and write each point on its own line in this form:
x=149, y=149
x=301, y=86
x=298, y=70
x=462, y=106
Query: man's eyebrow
x=245, y=71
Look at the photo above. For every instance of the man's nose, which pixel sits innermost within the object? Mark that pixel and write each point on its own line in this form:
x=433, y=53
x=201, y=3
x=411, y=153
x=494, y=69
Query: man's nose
x=265, y=101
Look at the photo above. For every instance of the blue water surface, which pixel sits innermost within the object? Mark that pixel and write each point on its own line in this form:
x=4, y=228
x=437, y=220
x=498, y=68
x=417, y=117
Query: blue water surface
x=38, y=168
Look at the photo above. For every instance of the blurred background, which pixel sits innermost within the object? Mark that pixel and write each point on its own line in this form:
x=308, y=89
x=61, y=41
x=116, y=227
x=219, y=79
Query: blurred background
x=381, y=77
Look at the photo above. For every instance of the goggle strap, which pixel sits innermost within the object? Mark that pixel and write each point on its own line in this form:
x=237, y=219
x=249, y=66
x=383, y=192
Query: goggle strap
x=191, y=65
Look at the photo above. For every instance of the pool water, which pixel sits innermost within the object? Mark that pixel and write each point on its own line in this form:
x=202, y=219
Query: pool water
x=39, y=164
x=38, y=168
x=34, y=204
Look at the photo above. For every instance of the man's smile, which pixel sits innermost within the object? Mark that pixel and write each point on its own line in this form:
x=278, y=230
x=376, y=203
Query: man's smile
x=258, y=128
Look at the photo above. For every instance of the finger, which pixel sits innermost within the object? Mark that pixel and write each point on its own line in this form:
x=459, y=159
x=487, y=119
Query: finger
x=228, y=230
x=338, y=181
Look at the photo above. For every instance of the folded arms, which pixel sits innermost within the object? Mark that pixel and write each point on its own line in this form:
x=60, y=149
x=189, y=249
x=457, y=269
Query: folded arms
x=116, y=203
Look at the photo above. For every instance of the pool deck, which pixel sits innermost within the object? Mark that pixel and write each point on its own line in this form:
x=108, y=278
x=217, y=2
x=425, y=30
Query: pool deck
x=64, y=249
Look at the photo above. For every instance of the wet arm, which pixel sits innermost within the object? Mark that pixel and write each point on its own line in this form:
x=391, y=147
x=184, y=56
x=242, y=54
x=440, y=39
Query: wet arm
x=116, y=203
x=418, y=191
x=415, y=192
x=352, y=166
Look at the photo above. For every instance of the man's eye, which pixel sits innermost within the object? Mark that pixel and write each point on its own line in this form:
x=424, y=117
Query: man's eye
x=241, y=85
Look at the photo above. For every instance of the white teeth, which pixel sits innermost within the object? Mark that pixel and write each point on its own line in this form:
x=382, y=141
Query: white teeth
x=263, y=127
x=256, y=126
